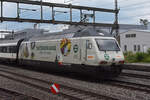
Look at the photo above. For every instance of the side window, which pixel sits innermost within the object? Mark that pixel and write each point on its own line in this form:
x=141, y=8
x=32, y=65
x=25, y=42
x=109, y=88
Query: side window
x=88, y=44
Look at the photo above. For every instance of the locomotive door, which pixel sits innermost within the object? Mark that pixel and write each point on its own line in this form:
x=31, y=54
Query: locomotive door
x=88, y=47
x=89, y=54
x=83, y=51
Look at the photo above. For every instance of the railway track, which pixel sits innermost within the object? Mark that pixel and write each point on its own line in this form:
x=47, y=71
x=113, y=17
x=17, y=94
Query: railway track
x=136, y=75
x=66, y=92
x=71, y=93
x=137, y=67
x=131, y=86
x=6, y=94
x=128, y=84
x=135, y=71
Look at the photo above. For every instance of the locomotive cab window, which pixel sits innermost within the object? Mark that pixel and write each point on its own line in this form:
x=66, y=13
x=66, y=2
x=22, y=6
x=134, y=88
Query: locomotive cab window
x=107, y=45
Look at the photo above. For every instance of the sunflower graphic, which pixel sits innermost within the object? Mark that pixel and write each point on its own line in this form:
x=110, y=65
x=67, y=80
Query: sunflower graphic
x=65, y=46
x=26, y=51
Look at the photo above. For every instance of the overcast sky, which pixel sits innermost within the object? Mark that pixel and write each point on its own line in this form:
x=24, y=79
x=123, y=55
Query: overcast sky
x=130, y=12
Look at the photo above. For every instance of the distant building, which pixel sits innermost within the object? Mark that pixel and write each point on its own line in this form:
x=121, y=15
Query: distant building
x=81, y=30
x=26, y=33
x=3, y=33
x=106, y=30
x=126, y=27
x=135, y=40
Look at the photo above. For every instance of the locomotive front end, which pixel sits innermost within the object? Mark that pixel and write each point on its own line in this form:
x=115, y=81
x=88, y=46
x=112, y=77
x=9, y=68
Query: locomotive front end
x=110, y=56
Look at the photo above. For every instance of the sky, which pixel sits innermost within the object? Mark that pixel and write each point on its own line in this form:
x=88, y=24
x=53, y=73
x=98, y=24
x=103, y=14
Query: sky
x=131, y=11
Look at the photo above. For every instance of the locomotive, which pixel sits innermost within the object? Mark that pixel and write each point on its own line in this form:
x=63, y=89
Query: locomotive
x=99, y=55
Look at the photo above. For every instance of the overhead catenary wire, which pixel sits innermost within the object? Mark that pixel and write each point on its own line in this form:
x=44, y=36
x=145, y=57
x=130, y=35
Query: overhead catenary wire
x=135, y=7
x=106, y=4
x=135, y=4
x=132, y=7
x=140, y=15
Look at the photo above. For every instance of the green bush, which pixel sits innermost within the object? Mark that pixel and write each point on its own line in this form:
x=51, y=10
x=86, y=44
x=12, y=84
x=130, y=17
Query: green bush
x=137, y=57
x=140, y=56
x=147, y=59
x=129, y=57
x=148, y=51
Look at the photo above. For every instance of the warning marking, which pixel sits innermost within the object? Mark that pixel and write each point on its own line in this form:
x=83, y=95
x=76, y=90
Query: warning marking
x=55, y=88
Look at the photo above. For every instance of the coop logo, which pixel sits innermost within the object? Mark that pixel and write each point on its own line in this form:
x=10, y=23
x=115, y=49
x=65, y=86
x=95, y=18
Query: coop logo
x=65, y=46
x=106, y=56
x=75, y=48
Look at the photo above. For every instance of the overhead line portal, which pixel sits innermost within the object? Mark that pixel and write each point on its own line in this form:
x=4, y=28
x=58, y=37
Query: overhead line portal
x=70, y=7
x=60, y=5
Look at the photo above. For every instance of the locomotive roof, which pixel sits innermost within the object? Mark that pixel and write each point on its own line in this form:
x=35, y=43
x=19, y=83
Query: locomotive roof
x=83, y=33
x=87, y=32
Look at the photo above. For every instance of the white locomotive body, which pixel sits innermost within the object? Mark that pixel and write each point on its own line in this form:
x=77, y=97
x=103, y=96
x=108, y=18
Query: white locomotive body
x=102, y=54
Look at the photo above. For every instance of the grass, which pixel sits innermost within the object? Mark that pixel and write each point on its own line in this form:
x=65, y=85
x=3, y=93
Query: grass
x=138, y=57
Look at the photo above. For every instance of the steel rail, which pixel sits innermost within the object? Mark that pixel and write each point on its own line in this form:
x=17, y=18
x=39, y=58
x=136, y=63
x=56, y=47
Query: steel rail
x=137, y=67
x=15, y=94
x=115, y=82
x=130, y=85
x=38, y=87
x=135, y=75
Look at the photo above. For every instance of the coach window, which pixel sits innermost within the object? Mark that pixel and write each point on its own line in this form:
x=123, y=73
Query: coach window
x=134, y=47
x=8, y=50
x=0, y=49
x=4, y=49
x=14, y=49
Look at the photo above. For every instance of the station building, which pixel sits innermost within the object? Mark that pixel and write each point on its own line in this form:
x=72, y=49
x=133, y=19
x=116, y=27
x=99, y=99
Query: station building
x=135, y=40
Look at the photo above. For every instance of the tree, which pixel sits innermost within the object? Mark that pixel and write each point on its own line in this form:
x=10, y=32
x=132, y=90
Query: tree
x=144, y=22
